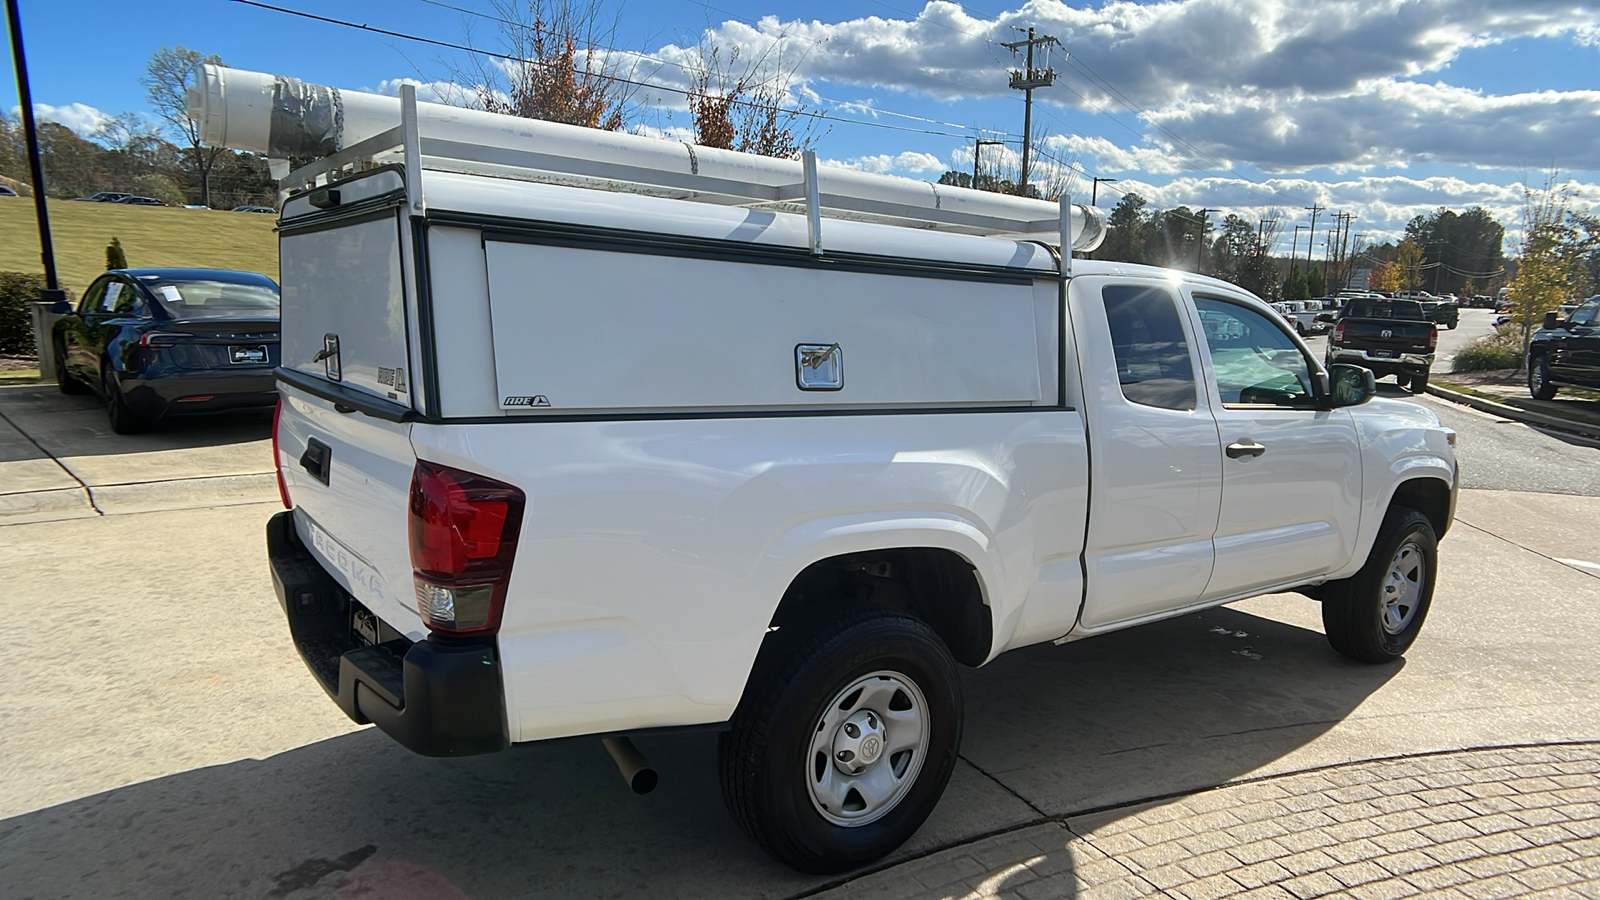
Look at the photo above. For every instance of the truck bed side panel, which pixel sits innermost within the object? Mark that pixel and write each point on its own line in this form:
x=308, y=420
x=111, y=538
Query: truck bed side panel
x=653, y=553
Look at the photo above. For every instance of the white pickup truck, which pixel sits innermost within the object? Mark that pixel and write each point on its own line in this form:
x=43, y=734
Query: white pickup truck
x=586, y=433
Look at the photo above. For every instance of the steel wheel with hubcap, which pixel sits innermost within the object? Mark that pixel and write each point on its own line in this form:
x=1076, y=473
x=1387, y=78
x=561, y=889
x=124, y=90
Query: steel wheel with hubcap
x=844, y=740
x=1375, y=615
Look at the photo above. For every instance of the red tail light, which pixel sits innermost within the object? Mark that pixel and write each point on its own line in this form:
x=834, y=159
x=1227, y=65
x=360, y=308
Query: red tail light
x=162, y=338
x=1338, y=334
x=1433, y=337
x=463, y=530
x=277, y=464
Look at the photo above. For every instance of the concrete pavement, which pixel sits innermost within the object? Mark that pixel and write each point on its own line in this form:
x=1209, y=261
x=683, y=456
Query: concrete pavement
x=59, y=459
x=159, y=737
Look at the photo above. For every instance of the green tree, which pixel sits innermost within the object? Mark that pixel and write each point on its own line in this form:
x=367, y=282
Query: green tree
x=115, y=258
x=1294, y=286
x=1126, y=238
x=168, y=76
x=1316, y=283
x=1408, y=267
x=1553, y=244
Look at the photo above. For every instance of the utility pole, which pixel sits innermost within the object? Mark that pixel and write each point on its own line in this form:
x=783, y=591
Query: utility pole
x=1294, y=249
x=1026, y=81
x=1200, y=250
x=1094, y=190
x=976, y=150
x=52, y=290
x=1314, y=210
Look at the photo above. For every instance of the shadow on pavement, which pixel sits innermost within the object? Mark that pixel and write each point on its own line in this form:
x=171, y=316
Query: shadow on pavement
x=1179, y=705
x=76, y=426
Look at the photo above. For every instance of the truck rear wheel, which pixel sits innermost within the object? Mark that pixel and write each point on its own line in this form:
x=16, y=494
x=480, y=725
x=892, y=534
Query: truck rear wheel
x=1375, y=615
x=844, y=741
x=1419, y=383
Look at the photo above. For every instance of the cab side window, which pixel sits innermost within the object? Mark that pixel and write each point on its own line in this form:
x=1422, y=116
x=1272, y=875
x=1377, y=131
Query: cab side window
x=1254, y=360
x=1153, y=364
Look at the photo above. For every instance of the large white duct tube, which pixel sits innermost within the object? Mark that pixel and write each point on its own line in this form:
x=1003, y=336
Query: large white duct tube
x=283, y=117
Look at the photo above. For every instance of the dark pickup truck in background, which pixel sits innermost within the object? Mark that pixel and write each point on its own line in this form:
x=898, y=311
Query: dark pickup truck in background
x=1566, y=351
x=1390, y=337
x=1445, y=313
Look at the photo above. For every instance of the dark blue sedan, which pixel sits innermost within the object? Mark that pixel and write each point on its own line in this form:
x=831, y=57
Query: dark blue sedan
x=164, y=342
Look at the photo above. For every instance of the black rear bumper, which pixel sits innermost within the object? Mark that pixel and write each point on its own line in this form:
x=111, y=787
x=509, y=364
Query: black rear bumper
x=436, y=698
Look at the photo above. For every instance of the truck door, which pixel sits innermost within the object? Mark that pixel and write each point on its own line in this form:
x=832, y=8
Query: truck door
x=1578, y=350
x=1291, y=473
x=1155, y=456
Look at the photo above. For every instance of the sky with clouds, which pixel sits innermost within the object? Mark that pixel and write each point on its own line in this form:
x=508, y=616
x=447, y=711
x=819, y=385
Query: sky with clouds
x=1381, y=108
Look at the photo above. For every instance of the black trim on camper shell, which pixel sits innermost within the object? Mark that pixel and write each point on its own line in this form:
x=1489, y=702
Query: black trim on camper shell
x=345, y=398
x=620, y=240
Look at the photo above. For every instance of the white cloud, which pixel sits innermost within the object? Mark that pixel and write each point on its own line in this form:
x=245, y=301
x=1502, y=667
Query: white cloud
x=82, y=118
x=1284, y=87
x=430, y=91
x=909, y=161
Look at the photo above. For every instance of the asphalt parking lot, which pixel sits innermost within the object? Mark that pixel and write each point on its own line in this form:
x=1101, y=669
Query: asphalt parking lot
x=159, y=738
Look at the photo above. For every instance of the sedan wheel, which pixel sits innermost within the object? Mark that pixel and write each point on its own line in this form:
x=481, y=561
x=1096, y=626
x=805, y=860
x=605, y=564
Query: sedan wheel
x=123, y=419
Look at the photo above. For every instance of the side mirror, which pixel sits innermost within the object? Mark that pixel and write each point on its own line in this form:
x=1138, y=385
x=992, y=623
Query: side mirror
x=1552, y=319
x=1352, y=385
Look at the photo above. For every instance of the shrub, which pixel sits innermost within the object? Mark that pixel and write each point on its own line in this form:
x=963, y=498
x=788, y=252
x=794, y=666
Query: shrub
x=115, y=258
x=1501, y=350
x=17, y=290
x=160, y=187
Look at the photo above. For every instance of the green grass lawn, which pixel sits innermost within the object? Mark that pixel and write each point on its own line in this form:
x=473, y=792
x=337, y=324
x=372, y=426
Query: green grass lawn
x=150, y=235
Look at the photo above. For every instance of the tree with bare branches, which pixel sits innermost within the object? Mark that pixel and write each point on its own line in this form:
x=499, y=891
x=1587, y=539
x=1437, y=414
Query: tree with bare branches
x=168, y=76
x=559, y=68
x=745, y=104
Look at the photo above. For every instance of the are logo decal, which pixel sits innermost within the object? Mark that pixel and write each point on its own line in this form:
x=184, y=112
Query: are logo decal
x=535, y=400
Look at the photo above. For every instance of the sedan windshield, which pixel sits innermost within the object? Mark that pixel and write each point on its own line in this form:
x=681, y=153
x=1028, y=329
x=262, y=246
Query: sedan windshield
x=215, y=299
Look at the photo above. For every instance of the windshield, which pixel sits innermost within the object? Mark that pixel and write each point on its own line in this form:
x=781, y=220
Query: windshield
x=215, y=299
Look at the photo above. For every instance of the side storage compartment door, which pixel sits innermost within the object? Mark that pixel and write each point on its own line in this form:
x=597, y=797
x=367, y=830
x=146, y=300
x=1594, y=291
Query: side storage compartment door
x=1291, y=473
x=1154, y=455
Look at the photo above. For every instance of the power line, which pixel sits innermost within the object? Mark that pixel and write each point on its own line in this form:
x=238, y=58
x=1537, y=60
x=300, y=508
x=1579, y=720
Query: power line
x=618, y=79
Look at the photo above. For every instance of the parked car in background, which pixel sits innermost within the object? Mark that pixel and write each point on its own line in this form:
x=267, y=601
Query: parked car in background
x=1565, y=352
x=106, y=197
x=135, y=200
x=163, y=342
x=255, y=209
x=1302, y=314
x=6, y=191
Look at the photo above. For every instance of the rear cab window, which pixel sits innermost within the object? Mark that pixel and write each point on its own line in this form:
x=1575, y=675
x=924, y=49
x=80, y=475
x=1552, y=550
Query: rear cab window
x=1152, y=353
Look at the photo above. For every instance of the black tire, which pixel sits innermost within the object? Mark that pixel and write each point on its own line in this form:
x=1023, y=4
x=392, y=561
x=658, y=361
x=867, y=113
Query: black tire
x=64, y=380
x=1539, y=384
x=1354, y=610
x=767, y=756
x=1419, y=383
x=123, y=420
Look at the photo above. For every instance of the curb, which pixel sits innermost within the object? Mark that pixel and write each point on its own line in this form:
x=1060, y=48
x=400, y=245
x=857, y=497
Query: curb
x=1503, y=410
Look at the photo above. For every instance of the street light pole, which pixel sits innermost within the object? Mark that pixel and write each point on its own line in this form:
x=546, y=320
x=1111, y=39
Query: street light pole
x=1200, y=248
x=1094, y=190
x=47, y=252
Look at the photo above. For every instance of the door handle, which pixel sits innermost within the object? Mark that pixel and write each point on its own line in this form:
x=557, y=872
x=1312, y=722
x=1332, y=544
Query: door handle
x=1245, y=447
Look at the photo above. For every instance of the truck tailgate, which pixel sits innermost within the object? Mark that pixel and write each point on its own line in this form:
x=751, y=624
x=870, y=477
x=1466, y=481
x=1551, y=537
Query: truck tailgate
x=349, y=479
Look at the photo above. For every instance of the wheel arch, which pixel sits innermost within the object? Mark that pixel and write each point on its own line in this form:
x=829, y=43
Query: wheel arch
x=1429, y=494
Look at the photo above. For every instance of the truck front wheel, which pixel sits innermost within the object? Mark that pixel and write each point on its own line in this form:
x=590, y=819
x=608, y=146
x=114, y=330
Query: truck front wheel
x=1539, y=386
x=1375, y=615
x=844, y=741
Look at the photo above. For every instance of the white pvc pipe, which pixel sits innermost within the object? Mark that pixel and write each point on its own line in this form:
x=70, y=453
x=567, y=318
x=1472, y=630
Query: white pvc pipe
x=283, y=117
